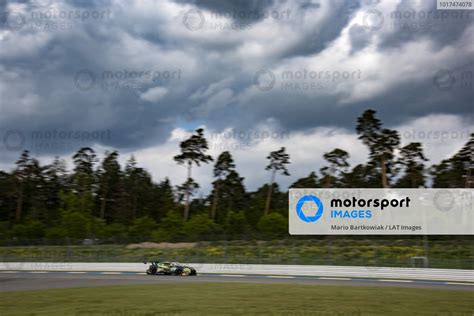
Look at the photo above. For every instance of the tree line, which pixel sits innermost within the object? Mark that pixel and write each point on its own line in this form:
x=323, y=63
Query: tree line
x=102, y=199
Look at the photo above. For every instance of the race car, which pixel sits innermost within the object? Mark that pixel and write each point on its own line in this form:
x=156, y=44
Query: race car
x=169, y=268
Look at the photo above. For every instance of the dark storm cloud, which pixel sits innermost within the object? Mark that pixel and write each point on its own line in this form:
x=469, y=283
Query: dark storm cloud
x=83, y=79
x=411, y=22
x=320, y=37
x=243, y=10
x=405, y=101
x=315, y=41
x=107, y=100
x=302, y=113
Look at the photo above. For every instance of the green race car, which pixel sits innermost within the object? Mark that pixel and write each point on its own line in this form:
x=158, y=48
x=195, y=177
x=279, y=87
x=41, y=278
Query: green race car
x=169, y=268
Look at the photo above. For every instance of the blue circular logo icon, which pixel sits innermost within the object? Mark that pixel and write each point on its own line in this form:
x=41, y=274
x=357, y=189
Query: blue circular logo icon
x=316, y=201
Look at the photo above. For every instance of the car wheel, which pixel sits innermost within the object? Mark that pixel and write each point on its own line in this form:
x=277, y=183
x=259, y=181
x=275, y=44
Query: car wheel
x=186, y=272
x=151, y=271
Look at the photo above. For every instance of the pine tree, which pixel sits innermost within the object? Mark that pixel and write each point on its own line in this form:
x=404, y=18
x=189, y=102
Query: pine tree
x=381, y=142
x=338, y=164
x=311, y=181
x=21, y=177
x=412, y=162
x=223, y=167
x=457, y=171
x=278, y=161
x=192, y=152
x=109, y=177
x=84, y=180
x=186, y=190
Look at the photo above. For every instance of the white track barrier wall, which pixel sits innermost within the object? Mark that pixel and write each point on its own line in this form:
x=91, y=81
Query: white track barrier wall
x=259, y=269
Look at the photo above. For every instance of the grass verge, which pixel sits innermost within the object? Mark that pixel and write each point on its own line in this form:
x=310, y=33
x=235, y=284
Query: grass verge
x=397, y=253
x=237, y=299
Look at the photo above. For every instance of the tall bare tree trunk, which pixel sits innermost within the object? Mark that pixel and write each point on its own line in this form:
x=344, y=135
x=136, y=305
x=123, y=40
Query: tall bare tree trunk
x=19, y=205
x=327, y=182
x=214, y=202
x=468, y=178
x=383, y=172
x=103, y=204
x=134, y=206
x=269, y=193
x=186, y=207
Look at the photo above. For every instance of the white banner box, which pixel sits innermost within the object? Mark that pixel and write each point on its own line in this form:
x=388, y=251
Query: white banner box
x=381, y=212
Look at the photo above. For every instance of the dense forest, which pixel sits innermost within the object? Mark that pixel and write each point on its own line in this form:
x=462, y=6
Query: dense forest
x=101, y=199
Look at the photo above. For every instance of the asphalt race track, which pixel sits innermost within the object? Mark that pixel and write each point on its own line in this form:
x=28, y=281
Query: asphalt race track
x=38, y=280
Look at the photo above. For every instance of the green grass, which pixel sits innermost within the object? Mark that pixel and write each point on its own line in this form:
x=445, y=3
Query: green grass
x=237, y=299
x=457, y=254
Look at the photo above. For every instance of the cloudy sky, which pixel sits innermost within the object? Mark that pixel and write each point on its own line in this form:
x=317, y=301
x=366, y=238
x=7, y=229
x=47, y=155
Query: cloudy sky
x=138, y=76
